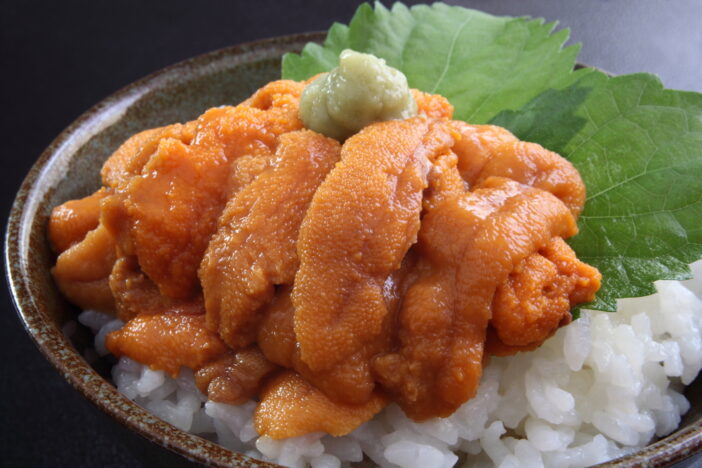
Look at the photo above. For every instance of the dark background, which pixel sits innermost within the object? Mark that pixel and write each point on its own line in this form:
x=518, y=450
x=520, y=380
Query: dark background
x=59, y=58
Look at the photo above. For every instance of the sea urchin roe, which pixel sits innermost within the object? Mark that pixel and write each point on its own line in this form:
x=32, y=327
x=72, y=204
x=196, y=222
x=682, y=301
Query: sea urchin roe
x=166, y=213
x=468, y=246
x=70, y=222
x=129, y=159
x=135, y=294
x=254, y=247
x=486, y=151
x=360, y=224
x=360, y=91
x=167, y=341
x=234, y=377
x=382, y=277
x=538, y=295
x=82, y=271
x=86, y=252
x=433, y=106
x=291, y=407
x=350, y=381
x=276, y=334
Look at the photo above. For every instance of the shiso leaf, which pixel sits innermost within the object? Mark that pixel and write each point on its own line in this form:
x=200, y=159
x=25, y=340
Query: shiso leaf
x=483, y=64
x=315, y=58
x=638, y=148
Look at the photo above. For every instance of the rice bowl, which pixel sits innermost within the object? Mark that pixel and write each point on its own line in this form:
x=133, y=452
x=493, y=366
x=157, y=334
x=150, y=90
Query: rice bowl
x=271, y=451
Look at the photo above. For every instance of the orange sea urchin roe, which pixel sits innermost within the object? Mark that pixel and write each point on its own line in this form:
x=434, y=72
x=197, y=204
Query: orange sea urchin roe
x=468, y=246
x=292, y=407
x=254, y=247
x=362, y=220
x=486, y=151
x=234, y=377
x=166, y=214
x=135, y=294
x=167, y=342
x=432, y=105
x=82, y=271
x=70, y=222
x=349, y=381
x=381, y=270
x=537, y=297
x=129, y=159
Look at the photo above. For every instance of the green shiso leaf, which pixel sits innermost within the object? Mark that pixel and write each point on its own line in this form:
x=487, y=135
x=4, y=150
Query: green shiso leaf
x=483, y=64
x=315, y=58
x=637, y=145
x=638, y=148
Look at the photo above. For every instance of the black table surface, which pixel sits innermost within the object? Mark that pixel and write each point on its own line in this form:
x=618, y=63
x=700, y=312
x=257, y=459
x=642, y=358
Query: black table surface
x=59, y=58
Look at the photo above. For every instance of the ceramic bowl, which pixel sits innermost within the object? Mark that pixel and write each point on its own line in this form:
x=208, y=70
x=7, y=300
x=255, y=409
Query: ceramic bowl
x=69, y=168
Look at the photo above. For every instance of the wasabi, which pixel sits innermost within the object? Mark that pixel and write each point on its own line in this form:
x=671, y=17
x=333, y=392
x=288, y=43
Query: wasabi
x=361, y=90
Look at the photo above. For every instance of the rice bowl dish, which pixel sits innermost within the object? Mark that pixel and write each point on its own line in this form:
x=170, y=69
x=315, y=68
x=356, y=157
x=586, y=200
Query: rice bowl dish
x=597, y=389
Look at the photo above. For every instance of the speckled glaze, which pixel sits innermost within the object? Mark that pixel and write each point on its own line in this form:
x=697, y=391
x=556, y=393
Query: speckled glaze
x=69, y=168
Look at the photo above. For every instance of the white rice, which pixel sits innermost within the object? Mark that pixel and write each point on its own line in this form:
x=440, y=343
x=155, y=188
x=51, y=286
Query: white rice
x=603, y=386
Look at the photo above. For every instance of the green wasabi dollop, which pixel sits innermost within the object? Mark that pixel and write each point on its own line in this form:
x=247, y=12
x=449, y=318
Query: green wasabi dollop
x=361, y=90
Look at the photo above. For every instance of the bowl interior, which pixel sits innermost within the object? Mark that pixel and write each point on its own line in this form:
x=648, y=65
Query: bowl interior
x=69, y=169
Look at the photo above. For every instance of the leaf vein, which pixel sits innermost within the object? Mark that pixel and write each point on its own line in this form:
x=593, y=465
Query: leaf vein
x=450, y=54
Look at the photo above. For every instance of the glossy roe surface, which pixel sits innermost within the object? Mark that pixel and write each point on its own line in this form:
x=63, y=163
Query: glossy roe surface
x=324, y=279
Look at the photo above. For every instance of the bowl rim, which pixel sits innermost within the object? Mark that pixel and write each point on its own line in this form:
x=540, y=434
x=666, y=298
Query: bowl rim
x=60, y=352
